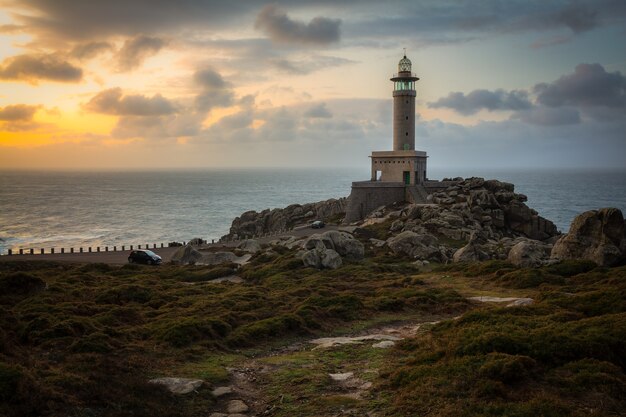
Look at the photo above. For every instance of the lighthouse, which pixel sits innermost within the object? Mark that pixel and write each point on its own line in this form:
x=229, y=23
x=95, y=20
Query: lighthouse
x=403, y=163
x=404, y=107
x=398, y=174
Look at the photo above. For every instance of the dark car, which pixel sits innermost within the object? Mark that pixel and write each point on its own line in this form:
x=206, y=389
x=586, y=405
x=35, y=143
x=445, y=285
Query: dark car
x=318, y=224
x=144, y=257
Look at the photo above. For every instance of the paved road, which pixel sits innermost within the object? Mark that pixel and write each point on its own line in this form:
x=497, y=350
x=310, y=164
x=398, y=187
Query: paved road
x=121, y=257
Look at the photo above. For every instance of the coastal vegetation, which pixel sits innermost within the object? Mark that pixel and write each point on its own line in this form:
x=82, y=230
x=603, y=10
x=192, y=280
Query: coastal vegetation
x=84, y=340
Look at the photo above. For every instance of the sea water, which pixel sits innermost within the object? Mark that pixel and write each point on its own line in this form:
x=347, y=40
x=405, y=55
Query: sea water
x=73, y=209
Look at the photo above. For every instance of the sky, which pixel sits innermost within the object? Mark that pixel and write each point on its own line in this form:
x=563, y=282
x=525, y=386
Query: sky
x=161, y=84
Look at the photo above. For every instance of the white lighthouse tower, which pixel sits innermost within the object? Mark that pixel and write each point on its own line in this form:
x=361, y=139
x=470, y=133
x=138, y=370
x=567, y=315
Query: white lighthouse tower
x=402, y=164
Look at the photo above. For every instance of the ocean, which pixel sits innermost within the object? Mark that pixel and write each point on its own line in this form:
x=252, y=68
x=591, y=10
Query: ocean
x=73, y=209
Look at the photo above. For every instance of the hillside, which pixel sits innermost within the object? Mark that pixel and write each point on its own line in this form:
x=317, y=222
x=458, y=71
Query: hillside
x=84, y=340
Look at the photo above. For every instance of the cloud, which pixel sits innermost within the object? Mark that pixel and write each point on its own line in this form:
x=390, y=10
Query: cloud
x=90, y=50
x=589, y=86
x=449, y=21
x=35, y=67
x=484, y=99
x=158, y=127
x=9, y=29
x=281, y=28
x=89, y=20
x=318, y=111
x=18, y=112
x=548, y=116
x=112, y=101
x=309, y=64
x=136, y=50
x=214, y=90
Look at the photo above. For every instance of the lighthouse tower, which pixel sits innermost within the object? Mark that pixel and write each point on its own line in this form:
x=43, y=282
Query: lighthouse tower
x=403, y=164
x=404, y=107
x=398, y=174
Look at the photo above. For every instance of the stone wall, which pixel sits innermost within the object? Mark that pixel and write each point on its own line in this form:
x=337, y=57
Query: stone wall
x=366, y=196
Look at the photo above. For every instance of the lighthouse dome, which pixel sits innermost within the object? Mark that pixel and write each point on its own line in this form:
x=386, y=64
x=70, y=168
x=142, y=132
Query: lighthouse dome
x=404, y=65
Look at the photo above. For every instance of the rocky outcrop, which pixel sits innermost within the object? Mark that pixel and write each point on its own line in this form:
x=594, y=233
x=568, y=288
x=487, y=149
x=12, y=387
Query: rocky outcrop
x=491, y=207
x=252, y=223
x=596, y=235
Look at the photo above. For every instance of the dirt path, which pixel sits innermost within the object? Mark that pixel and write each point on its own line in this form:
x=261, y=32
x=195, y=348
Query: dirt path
x=330, y=376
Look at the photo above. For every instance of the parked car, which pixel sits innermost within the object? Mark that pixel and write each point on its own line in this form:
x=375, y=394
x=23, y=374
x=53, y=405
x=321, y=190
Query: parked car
x=318, y=224
x=144, y=256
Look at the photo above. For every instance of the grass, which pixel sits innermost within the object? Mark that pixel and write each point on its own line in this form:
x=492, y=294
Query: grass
x=563, y=356
x=72, y=327
x=83, y=340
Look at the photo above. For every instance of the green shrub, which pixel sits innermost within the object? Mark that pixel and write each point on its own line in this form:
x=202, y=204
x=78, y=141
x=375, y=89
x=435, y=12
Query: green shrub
x=571, y=267
x=507, y=368
x=529, y=278
x=125, y=294
x=185, y=332
x=249, y=334
x=20, y=284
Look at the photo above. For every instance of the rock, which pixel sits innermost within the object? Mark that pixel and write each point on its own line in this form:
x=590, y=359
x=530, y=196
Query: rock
x=521, y=302
x=252, y=223
x=377, y=242
x=341, y=377
x=196, y=241
x=528, y=254
x=345, y=244
x=250, y=245
x=471, y=252
x=396, y=226
x=218, y=415
x=331, y=259
x=237, y=406
x=221, y=391
x=340, y=242
x=420, y=246
x=511, y=301
x=186, y=255
x=385, y=344
x=321, y=258
x=215, y=258
x=178, y=385
x=595, y=235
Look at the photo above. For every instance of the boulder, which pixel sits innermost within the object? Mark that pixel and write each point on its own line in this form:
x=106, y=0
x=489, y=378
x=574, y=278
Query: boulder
x=186, y=255
x=215, y=258
x=321, y=258
x=341, y=242
x=196, y=241
x=250, y=246
x=473, y=251
x=418, y=246
x=595, y=235
x=237, y=407
x=528, y=253
x=345, y=244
